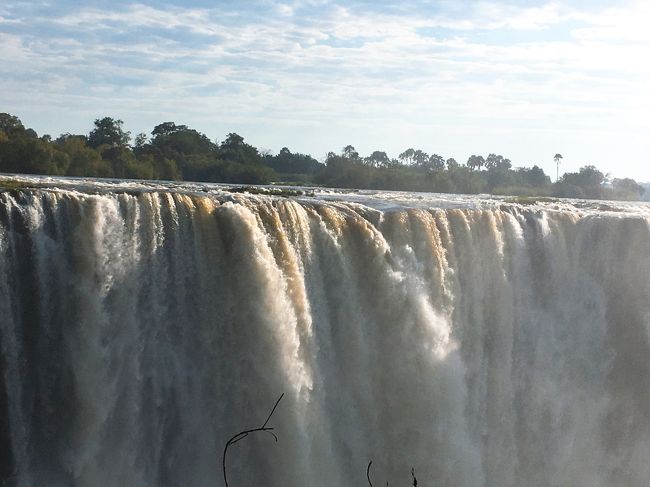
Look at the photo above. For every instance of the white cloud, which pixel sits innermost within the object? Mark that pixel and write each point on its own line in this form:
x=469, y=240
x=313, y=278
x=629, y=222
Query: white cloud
x=617, y=24
x=346, y=66
x=284, y=9
x=492, y=15
x=138, y=15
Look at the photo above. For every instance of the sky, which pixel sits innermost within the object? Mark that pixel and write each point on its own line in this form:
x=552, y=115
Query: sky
x=525, y=79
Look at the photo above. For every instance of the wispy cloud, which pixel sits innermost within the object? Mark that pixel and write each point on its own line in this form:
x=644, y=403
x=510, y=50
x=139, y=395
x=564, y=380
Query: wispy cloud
x=471, y=70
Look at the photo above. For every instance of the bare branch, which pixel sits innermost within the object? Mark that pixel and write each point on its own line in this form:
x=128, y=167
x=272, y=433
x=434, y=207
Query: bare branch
x=272, y=410
x=243, y=434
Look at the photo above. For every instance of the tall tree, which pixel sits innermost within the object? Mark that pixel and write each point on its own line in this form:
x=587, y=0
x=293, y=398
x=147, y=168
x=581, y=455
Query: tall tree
x=287, y=162
x=533, y=176
x=407, y=157
x=475, y=162
x=452, y=164
x=236, y=150
x=140, y=140
x=627, y=189
x=557, y=158
x=436, y=162
x=108, y=131
x=84, y=161
x=378, y=159
x=167, y=128
x=420, y=159
x=10, y=123
x=349, y=152
x=588, y=183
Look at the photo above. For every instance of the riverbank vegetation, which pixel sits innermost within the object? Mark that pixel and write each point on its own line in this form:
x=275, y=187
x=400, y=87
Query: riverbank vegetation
x=177, y=152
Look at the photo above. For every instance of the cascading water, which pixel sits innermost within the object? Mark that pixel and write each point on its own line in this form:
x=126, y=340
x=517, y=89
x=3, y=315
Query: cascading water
x=483, y=343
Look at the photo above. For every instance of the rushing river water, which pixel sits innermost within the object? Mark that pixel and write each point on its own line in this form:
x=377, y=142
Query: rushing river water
x=481, y=341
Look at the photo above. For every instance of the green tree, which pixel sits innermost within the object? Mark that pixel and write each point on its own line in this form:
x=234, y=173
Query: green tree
x=83, y=160
x=177, y=141
x=22, y=153
x=533, y=177
x=491, y=161
x=557, y=158
x=436, y=162
x=494, y=161
x=140, y=140
x=10, y=124
x=466, y=180
x=587, y=183
x=125, y=164
x=407, y=157
x=166, y=169
x=108, y=132
x=627, y=189
x=288, y=163
x=378, y=159
x=475, y=162
x=349, y=152
x=452, y=164
x=236, y=150
x=421, y=160
x=167, y=128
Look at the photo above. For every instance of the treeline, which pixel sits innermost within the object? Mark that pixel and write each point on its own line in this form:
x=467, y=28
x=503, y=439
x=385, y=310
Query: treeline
x=177, y=152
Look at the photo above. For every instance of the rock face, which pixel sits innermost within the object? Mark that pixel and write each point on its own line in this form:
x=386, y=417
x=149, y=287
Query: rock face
x=483, y=343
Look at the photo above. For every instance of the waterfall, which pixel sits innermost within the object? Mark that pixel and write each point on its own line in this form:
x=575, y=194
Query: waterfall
x=500, y=345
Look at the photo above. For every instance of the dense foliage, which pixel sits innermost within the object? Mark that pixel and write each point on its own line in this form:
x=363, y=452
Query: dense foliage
x=177, y=152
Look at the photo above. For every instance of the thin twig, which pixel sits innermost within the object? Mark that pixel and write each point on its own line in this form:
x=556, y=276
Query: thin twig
x=272, y=410
x=243, y=434
x=368, y=473
x=415, y=481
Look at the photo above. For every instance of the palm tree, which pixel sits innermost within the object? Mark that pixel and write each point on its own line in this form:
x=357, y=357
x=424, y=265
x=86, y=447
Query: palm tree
x=475, y=162
x=557, y=159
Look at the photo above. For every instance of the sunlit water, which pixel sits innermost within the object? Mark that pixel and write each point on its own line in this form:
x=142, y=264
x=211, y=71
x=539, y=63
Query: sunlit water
x=481, y=341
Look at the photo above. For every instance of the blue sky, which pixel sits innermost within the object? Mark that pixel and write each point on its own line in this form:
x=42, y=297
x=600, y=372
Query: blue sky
x=526, y=79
